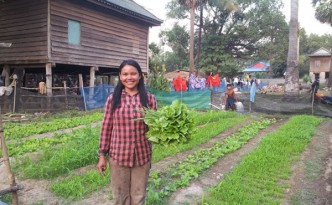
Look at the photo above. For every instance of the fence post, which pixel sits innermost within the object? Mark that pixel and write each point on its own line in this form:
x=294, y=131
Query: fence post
x=7, y=163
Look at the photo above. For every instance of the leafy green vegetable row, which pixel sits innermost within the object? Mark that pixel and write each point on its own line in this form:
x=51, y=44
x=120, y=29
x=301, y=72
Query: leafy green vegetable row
x=28, y=129
x=163, y=183
x=258, y=178
x=17, y=146
x=79, y=151
x=64, y=187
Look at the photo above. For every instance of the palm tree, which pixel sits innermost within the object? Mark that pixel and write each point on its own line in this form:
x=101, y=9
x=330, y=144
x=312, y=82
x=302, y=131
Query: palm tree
x=324, y=14
x=292, y=71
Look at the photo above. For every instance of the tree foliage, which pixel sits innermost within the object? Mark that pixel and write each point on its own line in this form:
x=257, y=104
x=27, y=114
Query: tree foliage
x=323, y=10
x=253, y=30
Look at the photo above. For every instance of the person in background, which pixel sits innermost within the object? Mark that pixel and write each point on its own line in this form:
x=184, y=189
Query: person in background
x=236, y=81
x=213, y=81
x=230, y=98
x=194, y=83
x=123, y=136
x=253, y=88
x=180, y=83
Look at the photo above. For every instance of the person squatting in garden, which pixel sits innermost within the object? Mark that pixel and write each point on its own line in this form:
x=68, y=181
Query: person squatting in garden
x=123, y=136
x=230, y=98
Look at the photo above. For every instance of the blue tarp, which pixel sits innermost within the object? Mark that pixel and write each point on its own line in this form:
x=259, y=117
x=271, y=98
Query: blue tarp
x=258, y=67
x=95, y=97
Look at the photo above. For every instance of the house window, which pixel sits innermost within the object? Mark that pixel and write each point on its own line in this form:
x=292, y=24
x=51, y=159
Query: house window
x=317, y=64
x=327, y=75
x=74, y=32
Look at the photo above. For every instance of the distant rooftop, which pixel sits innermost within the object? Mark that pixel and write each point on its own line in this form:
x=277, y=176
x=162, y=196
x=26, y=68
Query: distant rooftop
x=321, y=52
x=131, y=7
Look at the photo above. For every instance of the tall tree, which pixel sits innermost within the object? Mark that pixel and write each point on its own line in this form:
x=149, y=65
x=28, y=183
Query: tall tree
x=323, y=10
x=192, y=34
x=292, y=71
x=177, y=40
x=324, y=14
x=179, y=11
x=235, y=32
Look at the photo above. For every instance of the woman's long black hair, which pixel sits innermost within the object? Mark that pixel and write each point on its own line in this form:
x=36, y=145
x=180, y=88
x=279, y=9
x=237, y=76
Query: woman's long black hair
x=116, y=99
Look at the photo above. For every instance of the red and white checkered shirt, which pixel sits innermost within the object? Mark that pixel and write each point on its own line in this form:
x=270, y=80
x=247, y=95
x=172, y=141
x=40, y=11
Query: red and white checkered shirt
x=122, y=135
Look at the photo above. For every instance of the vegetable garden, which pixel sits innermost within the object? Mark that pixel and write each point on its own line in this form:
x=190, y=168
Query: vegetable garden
x=62, y=164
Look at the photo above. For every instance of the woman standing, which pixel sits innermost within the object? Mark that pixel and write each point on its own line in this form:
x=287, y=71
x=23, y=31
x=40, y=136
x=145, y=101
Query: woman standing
x=123, y=136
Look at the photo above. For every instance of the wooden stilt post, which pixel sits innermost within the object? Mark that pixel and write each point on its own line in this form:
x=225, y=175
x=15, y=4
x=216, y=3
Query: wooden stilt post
x=6, y=74
x=49, y=85
x=92, y=82
x=7, y=163
x=80, y=80
x=49, y=79
x=15, y=85
x=65, y=88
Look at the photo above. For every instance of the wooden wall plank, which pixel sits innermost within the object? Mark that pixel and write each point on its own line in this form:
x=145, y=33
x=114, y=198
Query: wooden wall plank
x=105, y=40
x=23, y=23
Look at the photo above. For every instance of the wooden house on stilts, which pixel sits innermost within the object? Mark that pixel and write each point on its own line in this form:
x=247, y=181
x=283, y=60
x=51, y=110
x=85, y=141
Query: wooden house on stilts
x=59, y=42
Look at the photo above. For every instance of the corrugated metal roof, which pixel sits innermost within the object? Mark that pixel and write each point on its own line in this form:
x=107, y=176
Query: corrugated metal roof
x=321, y=52
x=133, y=8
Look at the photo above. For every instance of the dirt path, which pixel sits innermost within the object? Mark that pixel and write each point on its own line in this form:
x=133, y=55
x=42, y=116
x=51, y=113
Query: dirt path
x=193, y=193
x=311, y=181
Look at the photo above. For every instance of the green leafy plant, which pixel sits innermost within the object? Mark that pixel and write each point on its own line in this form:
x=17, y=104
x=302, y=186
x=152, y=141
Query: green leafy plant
x=170, y=125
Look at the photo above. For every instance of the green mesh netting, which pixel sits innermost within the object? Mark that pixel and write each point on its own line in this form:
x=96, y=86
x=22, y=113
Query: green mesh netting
x=195, y=99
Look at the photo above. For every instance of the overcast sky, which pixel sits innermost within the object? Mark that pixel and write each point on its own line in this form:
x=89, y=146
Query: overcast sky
x=306, y=17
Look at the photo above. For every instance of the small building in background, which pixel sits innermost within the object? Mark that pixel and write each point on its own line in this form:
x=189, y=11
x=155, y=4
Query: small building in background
x=320, y=62
x=258, y=67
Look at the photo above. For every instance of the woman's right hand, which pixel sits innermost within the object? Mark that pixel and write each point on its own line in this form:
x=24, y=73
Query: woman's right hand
x=101, y=166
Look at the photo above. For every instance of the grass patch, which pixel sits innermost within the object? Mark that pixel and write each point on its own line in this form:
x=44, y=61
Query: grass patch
x=76, y=186
x=21, y=130
x=54, y=161
x=256, y=179
x=7, y=198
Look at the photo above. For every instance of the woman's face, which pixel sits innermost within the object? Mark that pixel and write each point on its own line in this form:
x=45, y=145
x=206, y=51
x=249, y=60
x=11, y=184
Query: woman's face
x=130, y=77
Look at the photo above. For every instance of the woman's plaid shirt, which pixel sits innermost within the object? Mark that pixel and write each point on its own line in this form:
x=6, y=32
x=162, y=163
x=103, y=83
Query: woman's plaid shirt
x=122, y=135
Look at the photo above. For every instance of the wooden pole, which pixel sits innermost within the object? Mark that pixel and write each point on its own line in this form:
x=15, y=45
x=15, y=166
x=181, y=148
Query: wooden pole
x=49, y=79
x=80, y=80
x=14, y=101
x=65, y=88
x=7, y=163
x=6, y=72
x=249, y=106
x=92, y=82
x=312, y=100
